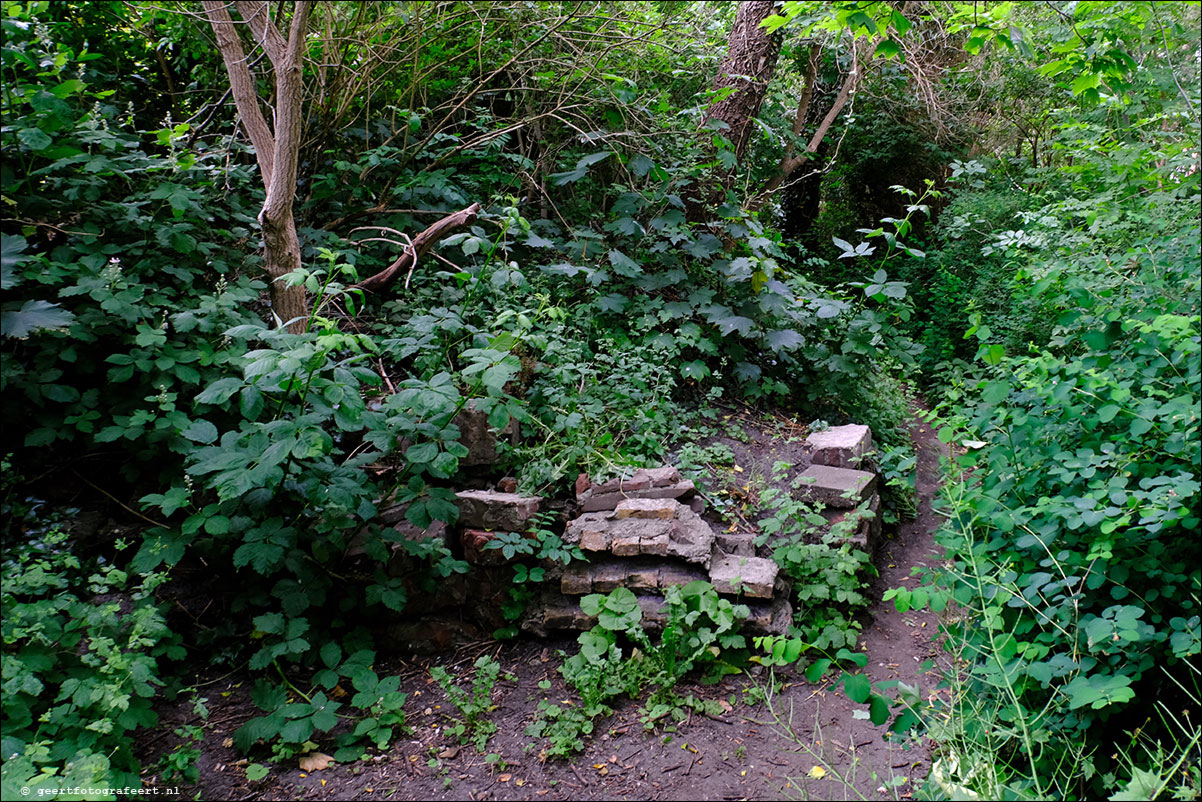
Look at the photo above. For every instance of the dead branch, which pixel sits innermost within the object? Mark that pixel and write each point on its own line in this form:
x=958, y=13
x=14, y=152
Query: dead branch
x=422, y=243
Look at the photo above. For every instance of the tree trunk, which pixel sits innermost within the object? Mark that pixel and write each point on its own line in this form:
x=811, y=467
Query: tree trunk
x=751, y=56
x=791, y=162
x=277, y=151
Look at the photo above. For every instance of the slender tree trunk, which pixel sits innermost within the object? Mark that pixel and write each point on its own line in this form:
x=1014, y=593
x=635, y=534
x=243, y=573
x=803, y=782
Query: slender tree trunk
x=277, y=145
x=791, y=161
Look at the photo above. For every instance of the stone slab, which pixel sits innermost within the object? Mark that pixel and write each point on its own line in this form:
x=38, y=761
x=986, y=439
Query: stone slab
x=489, y=509
x=646, y=508
x=749, y=576
x=843, y=488
x=593, y=501
x=840, y=446
x=691, y=539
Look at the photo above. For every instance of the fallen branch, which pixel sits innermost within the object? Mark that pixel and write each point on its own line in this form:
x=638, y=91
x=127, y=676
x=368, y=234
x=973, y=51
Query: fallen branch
x=420, y=244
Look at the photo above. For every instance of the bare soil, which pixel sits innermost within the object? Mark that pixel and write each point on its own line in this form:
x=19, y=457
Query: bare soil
x=782, y=737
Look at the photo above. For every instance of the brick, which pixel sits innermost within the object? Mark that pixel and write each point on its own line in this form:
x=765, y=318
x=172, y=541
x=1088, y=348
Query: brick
x=690, y=538
x=662, y=477
x=591, y=501
x=638, y=481
x=643, y=577
x=671, y=575
x=654, y=546
x=475, y=549
x=594, y=539
x=626, y=545
x=478, y=437
x=608, y=576
x=737, y=543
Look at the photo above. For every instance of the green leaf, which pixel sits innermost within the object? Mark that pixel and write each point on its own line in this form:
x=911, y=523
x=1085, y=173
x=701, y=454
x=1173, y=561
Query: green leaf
x=1086, y=81
x=34, y=138
x=33, y=316
x=12, y=255
x=996, y=392
x=878, y=709
x=1107, y=413
x=857, y=687
x=422, y=452
x=200, y=431
x=887, y=48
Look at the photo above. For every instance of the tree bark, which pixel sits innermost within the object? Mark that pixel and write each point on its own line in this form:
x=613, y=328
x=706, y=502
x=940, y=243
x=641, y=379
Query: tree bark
x=276, y=150
x=751, y=56
x=418, y=248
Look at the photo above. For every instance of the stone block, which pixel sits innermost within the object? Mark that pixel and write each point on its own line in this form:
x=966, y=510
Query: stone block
x=749, y=576
x=643, y=577
x=488, y=509
x=567, y=616
x=638, y=481
x=646, y=508
x=656, y=546
x=591, y=521
x=577, y=580
x=478, y=436
x=626, y=545
x=843, y=488
x=769, y=618
x=741, y=544
x=690, y=538
x=670, y=575
x=840, y=446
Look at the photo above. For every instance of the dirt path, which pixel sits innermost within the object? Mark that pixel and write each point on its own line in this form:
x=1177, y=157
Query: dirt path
x=766, y=750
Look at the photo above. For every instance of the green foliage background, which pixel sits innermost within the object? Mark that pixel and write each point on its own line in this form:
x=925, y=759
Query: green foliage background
x=1019, y=237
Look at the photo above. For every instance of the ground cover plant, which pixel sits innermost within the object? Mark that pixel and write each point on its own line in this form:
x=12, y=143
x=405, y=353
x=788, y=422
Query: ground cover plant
x=258, y=259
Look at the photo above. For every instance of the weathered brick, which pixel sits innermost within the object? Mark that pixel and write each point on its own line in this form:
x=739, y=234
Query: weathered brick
x=475, y=549
x=478, y=436
x=647, y=508
x=626, y=545
x=840, y=446
x=577, y=580
x=594, y=539
x=664, y=476
x=608, y=576
x=656, y=546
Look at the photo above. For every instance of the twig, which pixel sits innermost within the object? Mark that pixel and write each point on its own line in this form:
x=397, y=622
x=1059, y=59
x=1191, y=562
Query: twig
x=116, y=500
